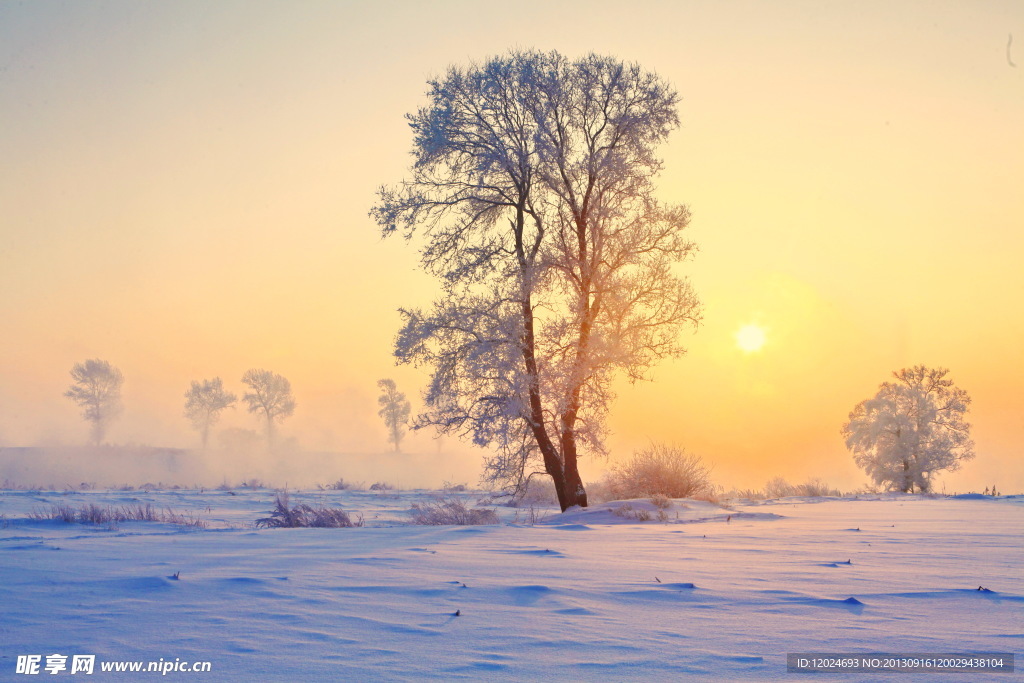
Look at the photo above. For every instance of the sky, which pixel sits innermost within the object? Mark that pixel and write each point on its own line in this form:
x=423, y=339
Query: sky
x=185, y=186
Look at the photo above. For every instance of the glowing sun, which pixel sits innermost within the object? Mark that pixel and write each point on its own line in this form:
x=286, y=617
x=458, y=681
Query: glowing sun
x=750, y=338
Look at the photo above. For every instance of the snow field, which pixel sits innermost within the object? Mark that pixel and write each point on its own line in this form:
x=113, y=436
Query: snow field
x=717, y=594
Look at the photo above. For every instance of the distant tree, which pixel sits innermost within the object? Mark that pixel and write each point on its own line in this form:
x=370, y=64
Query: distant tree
x=97, y=390
x=533, y=187
x=911, y=429
x=395, y=409
x=270, y=396
x=203, y=403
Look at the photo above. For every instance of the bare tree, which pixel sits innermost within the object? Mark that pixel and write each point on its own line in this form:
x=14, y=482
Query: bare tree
x=533, y=188
x=204, y=402
x=97, y=390
x=911, y=429
x=270, y=396
x=395, y=409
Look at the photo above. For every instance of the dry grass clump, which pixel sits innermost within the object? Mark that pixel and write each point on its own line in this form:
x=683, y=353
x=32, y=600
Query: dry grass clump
x=711, y=496
x=747, y=494
x=626, y=511
x=451, y=511
x=780, y=488
x=341, y=485
x=817, y=487
x=302, y=515
x=661, y=501
x=660, y=469
x=91, y=513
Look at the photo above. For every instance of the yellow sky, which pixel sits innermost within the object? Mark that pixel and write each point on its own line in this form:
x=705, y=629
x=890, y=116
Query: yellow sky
x=184, y=190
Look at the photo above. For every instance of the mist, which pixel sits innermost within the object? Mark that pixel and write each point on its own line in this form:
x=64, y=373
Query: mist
x=112, y=467
x=334, y=434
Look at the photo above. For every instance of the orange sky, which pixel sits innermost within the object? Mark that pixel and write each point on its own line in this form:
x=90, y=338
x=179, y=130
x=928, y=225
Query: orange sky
x=184, y=191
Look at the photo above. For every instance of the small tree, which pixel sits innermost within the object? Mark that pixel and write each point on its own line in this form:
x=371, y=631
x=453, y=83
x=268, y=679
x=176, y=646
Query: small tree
x=270, y=396
x=97, y=390
x=395, y=409
x=911, y=429
x=203, y=403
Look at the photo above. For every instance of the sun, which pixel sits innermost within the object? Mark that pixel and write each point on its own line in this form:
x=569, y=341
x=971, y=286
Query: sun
x=750, y=338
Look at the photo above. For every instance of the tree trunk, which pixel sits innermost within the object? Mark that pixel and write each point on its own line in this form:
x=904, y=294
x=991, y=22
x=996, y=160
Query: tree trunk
x=552, y=461
x=270, y=429
x=98, y=432
x=575, y=494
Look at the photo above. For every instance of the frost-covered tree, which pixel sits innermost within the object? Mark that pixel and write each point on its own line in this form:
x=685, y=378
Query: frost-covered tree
x=204, y=402
x=395, y=409
x=270, y=396
x=911, y=429
x=97, y=391
x=532, y=188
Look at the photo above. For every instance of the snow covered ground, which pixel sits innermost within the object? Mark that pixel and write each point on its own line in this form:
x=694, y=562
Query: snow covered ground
x=708, y=593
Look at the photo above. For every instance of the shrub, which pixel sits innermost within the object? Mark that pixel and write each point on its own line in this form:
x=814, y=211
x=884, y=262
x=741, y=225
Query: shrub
x=451, y=510
x=381, y=486
x=780, y=488
x=302, y=515
x=660, y=469
x=816, y=487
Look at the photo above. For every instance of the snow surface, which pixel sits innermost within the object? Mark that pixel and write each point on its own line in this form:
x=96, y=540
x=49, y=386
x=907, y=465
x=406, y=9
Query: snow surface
x=711, y=593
